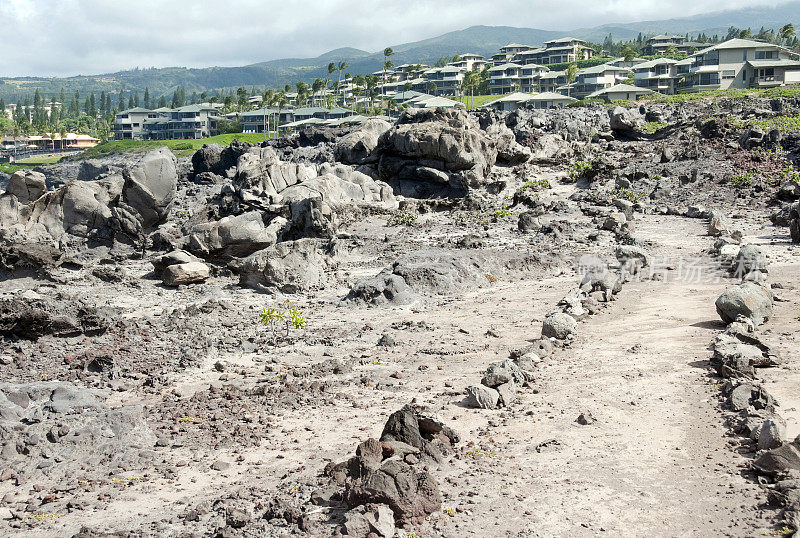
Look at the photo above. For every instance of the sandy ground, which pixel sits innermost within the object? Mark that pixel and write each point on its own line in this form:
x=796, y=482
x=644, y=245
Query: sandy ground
x=658, y=460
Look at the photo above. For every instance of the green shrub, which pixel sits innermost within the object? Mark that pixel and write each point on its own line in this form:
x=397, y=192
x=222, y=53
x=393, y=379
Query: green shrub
x=628, y=194
x=402, y=217
x=535, y=184
x=577, y=170
x=653, y=126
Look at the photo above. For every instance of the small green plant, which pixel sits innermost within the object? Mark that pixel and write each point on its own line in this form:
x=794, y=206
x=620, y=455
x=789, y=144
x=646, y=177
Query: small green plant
x=628, y=194
x=269, y=317
x=480, y=453
x=402, y=217
x=577, y=170
x=535, y=184
x=742, y=181
x=651, y=127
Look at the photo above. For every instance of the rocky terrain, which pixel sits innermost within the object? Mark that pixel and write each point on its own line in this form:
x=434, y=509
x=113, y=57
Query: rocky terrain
x=573, y=322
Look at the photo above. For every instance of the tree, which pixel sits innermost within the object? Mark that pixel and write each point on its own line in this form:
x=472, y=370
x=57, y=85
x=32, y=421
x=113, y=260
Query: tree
x=302, y=92
x=341, y=67
x=387, y=52
x=787, y=32
x=571, y=72
x=241, y=98
x=148, y=104
x=162, y=102
x=627, y=53
x=316, y=87
x=671, y=50
x=331, y=69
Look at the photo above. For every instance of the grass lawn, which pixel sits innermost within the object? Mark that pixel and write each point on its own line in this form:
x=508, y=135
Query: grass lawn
x=10, y=168
x=46, y=159
x=181, y=148
x=478, y=100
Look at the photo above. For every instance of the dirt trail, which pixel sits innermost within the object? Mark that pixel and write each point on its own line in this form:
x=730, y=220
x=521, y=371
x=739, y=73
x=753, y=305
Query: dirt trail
x=656, y=461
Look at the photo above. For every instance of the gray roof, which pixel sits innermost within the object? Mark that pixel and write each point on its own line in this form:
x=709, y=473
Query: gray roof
x=135, y=110
x=654, y=63
x=620, y=88
x=774, y=63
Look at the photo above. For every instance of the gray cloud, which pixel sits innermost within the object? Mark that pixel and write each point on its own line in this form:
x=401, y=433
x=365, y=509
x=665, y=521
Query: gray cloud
x=68, y=37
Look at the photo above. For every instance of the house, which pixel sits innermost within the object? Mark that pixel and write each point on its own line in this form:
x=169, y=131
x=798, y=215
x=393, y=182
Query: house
x=428, y=101
x=620, y=92
x=659, y=75
x=741, y=63
x=54, y=141
x=510, y=102
x=517, y=100
x=565, y=49
x=658, y=45
x=596, y=78
x=550, y=100
x=529, y=76
x=255, y=121
x=129, y=124
x=470, y=62
x=192, y=121
x=447, y=79
x=552, y=80
x=504, y=78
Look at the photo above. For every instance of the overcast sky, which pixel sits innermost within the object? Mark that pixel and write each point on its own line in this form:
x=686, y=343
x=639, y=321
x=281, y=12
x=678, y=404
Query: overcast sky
x=69, y=37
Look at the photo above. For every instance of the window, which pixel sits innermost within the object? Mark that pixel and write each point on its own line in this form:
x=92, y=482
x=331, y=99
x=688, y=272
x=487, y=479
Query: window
x=728, y=74
x=765, y=54
x=744, y=55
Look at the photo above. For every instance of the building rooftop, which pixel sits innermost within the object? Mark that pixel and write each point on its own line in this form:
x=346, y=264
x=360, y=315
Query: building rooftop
x=620, y=88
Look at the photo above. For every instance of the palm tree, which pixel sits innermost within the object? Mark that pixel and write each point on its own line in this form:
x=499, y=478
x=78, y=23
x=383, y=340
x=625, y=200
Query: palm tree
x=341, y=67
x=386, y=63
x=571, y=72
x=315, y=88
x=282, y=102
x=331, y=69
x=787, y=32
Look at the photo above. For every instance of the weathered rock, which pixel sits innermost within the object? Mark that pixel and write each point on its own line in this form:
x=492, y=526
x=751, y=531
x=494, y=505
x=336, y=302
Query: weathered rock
x=448, y=142
x=632, y=258
x=719, y=225
x=747, y=299
x=31, y=316
x=771, y=434
x=370, y=521
x=151, y=184
x=291, y=267
x=172, y=258
x=383, y=289
x=239, y=235
x=411, y=494
x=778, y=460
x=750, y=259
x=559, y=326
x=358, y=145
x=482, y=397
x=528, y=222
x=623, y=120
x=500, y=373
x=507, y=393
x=186, y=273
x=27, y=185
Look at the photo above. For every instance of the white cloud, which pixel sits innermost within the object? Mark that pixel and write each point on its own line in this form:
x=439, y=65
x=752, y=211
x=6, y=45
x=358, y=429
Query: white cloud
x=63, y=37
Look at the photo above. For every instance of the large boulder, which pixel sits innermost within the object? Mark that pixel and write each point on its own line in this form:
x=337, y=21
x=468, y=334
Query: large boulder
x=559, y=326
x=358, y=145
x=433, y=150
x=748, y=299
x=180, y=274
x=411, y=494
x=623, y=120
x=290, y=267
x=26, y=185
x=239, y=235
x=151, y=184
x=116, y=206
x=31, y=316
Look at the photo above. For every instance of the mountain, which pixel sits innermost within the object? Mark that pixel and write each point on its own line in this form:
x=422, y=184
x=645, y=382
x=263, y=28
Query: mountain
x=483, y=40
x=716, y=22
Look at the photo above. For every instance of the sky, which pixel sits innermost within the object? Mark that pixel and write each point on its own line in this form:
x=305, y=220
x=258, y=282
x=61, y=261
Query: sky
x=70, y=37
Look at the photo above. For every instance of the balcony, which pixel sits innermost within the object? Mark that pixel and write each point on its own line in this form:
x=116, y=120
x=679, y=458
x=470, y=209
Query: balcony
x=766, y=81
